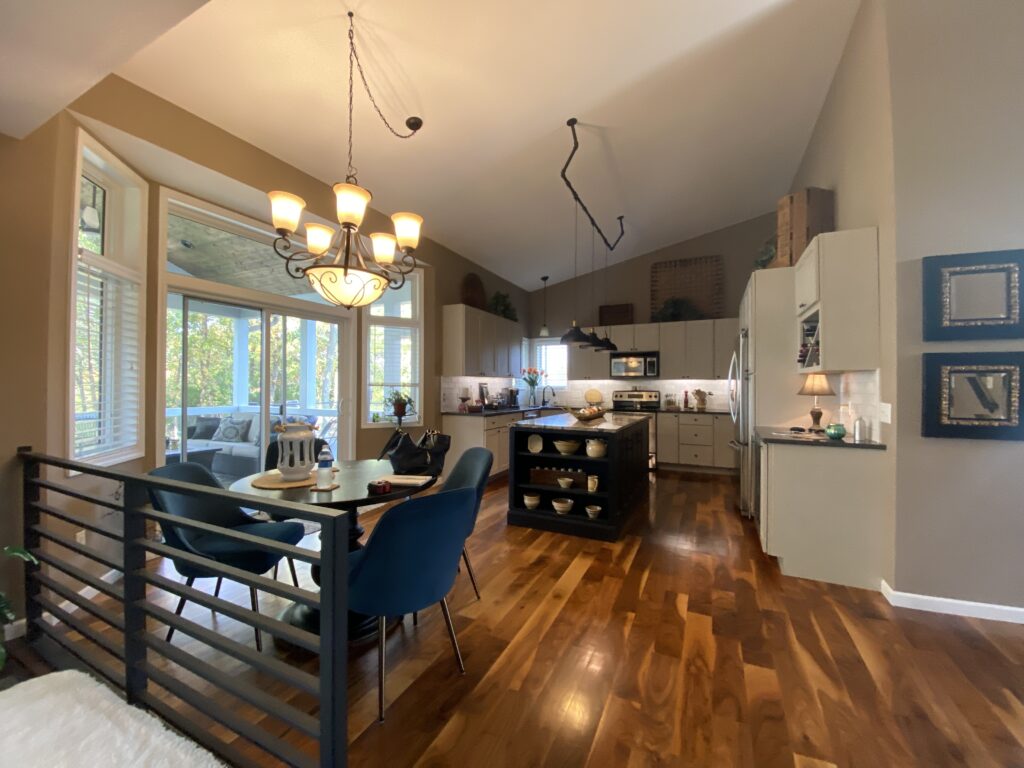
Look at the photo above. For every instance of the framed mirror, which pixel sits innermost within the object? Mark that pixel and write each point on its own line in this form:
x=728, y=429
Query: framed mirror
x=973, y=395
x=973, y=296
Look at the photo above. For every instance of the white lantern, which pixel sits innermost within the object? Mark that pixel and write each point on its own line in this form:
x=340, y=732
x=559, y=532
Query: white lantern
x=295, y=459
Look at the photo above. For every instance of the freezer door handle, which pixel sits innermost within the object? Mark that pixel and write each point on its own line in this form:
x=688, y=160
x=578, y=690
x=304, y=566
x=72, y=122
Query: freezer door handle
x=735, y=445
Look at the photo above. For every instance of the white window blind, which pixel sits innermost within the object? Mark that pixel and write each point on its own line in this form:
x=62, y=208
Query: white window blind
x=394, y=334
x=553, y=358
x=107, y=364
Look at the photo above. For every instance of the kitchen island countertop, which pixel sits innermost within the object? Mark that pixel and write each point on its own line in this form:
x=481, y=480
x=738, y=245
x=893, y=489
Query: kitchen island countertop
x=612, y=422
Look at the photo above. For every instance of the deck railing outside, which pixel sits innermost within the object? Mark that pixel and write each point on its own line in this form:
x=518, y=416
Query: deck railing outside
x=116, y=626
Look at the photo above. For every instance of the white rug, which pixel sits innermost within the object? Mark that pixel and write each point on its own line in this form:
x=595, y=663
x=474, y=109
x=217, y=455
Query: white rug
x=67, y=720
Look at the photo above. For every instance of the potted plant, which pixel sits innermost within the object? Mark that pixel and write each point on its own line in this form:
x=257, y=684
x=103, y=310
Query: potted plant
x=400, y=403
x=531, y=378
x=6, y=609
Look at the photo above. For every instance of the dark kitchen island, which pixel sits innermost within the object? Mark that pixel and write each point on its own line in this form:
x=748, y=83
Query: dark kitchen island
x=622, y=478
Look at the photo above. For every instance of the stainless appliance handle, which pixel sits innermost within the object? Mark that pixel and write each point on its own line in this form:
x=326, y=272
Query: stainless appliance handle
x=735, y=446
x=733, y=386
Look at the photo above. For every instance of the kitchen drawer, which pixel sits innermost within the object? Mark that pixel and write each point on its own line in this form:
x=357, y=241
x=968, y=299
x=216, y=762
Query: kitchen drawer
x=493, y=422
x=696, y=435
x=699, y=455
x=698, y=419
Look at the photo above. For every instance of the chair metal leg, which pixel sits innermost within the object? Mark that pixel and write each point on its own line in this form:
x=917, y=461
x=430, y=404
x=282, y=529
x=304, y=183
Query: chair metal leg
x=216, y=589
x=451, y=634
x=415, y=618
x=381, y=640
x=181, y=606
x=256, y=609
x=275, y=569
x=295, y=576
x=469, y=570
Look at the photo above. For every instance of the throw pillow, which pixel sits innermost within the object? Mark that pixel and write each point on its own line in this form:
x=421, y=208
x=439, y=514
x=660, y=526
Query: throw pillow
x=205, y=428
x=232, y=430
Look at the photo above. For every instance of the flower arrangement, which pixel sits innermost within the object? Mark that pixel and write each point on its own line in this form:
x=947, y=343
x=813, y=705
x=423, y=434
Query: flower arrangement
x=532, y=376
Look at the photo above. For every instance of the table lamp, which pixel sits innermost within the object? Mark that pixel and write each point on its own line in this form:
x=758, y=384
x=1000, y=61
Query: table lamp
x=816, y=384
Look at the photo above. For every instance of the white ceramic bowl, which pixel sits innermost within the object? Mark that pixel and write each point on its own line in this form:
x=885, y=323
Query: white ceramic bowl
x=567, y=447
x=597, y=449
x=593, y=511
x=532, y=501
x=562, y=506
x=564, y=482
x=535, y=444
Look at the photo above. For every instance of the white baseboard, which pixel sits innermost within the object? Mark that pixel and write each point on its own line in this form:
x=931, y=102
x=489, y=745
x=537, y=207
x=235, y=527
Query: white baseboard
x=992, y=611
x=14, y=630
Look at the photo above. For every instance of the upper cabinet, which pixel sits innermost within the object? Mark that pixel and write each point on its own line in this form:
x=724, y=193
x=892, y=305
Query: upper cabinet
x=477, y=343
x=836, y=289
x=643, y=337
x=586, y=363
x=673, y=350
x=697, y=349
x=700, y=349
x=727, y=331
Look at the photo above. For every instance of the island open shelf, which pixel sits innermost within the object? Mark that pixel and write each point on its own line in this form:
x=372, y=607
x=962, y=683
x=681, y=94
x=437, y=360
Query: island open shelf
x=621, y=473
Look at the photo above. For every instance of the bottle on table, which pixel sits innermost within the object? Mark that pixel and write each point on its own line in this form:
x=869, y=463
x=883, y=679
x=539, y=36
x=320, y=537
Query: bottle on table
x=324, y=464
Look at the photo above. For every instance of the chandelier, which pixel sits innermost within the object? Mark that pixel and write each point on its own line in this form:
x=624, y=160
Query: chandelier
x=339, y=265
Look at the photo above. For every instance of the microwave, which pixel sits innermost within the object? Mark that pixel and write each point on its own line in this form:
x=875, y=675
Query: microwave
x=634, y=365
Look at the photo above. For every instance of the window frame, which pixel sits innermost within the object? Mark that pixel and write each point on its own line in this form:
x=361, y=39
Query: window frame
x=125, y=257
x=549, y=341
x=416, y=323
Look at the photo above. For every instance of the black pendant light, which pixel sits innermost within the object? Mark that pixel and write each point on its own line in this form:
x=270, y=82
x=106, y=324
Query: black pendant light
x=575, y=335
x=544, y=332
x=607, y=345
x=593, y=340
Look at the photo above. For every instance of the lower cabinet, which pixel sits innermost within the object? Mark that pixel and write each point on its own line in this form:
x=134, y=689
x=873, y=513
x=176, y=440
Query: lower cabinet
x=485, y=431
x=696, y=439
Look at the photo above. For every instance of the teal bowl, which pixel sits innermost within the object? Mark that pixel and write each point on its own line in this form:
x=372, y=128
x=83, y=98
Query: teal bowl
x=835, y=431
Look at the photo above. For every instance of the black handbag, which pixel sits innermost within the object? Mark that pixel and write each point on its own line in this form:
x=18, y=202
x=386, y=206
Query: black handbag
x=424, y=457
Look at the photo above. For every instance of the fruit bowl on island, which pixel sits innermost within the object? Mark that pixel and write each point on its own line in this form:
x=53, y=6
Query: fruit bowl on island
x=590, y=413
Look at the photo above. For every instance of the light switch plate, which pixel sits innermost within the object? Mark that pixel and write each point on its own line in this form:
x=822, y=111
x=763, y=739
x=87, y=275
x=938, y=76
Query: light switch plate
x=885, y=413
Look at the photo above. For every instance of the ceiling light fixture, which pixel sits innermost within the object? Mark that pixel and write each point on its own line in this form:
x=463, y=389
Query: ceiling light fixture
x=607, y=345
x=354, y=275
x=574, y=335
x=544, y=332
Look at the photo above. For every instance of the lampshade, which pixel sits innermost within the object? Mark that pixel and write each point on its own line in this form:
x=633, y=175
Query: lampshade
x=351, y=288
x=816, y=384
x=352, y=201
x=544, y=332
x=593, y=340
x=286, y=210
x=607, y=345
x=383, y=247
x=318, y=238
x=574, y=335
x=407, y=229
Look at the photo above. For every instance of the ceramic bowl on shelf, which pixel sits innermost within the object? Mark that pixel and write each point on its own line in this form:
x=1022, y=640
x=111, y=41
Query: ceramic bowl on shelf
x=562, y=506
x=564, y=482
x=567, y=447
x=835, y=431
x=593, y=511
x=531, y=500
x=535, y=443
x=597, y=449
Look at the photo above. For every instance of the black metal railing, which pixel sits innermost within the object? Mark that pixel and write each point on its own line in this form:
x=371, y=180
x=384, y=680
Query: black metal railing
x=115, y=623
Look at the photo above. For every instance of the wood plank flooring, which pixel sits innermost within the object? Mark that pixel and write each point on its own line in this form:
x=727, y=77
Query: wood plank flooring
x=680, y=645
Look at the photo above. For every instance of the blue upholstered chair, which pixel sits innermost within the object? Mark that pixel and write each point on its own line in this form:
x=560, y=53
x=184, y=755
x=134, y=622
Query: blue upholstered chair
x=471, y=471
x=222, y=549
x=410, y=562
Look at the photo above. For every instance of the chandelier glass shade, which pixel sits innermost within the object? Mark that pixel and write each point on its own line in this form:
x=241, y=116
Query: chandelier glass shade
x=337, y=263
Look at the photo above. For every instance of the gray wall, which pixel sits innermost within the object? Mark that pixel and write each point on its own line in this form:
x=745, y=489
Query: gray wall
x=629, y=282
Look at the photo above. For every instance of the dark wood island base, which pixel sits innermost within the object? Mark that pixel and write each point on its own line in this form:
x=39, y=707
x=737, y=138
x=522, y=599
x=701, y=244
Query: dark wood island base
x=622, y=478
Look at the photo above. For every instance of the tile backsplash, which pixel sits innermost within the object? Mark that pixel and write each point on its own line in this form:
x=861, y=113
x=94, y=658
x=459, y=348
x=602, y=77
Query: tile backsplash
x=668, y=387
x=453, y=387
x=859, y=393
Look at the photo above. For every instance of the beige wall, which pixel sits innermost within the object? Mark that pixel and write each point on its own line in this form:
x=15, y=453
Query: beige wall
x=629, y=282
x=851, y=152
x=957, y=74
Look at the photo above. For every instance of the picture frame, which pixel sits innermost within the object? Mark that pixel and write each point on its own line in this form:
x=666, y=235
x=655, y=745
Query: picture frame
x=973, y=296
x=972, y=395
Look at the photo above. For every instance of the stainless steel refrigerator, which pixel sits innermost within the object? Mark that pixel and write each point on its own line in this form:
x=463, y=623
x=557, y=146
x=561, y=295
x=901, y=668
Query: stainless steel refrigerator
x=763, y=380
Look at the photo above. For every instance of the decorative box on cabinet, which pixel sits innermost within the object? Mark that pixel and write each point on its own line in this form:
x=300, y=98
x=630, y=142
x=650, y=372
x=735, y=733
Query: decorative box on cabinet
x=800, y=217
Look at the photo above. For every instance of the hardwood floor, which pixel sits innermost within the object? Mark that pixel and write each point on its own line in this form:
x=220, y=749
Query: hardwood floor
x=681, y=645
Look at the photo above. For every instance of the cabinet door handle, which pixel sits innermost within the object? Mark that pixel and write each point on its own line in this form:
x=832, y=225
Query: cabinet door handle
x=803, y=304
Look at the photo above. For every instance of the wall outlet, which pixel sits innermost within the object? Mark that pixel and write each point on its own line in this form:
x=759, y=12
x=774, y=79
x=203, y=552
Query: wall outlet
x=885, y=413
x=80, y=536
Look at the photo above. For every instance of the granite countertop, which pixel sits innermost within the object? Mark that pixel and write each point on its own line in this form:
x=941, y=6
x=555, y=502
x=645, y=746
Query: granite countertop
x=612, y=422
x=711, y=411
x=784, y=436
x=503, y=411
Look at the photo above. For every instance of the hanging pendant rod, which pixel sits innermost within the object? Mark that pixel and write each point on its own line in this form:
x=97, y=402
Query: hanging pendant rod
x=571, y=122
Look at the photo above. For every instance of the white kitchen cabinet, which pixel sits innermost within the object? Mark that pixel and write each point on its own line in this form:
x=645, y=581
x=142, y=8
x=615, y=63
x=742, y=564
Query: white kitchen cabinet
x=646, y=337
x=668, y=438
x=805, y=278
x=672, y=338
x=477, y=343
x=726, y=333
x=622, y=337
x=725, y=433
x=700, y=349
x=487, y=431
x=585, y=363
x=488, y=343
x=515, y=350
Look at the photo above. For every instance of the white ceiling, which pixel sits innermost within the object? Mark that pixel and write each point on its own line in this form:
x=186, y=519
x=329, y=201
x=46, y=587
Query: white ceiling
x=693, y=113
x=53, y=51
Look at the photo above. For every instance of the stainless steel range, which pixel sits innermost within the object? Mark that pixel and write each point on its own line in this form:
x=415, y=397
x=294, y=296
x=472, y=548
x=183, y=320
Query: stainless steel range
x=644, y=400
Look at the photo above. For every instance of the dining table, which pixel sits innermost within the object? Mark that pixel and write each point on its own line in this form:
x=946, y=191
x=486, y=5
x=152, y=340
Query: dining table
x=351, y=494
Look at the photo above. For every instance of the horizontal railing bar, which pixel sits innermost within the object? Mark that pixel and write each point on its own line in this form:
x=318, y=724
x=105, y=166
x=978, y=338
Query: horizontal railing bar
x=183, y=723
x=272, y=744
x=261, y=542
x=269, y=664
x=111, y=590
x=76, y=520
x=287, y=591
x=82, y=653
x=74, y=546
x=275, y=627
x=83, y=603
x=237, y=687
x=114, y=647
x=65, y=491
x=276, y=506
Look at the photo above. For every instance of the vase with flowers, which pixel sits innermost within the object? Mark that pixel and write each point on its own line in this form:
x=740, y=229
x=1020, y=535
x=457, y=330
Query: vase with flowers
x=531, y=378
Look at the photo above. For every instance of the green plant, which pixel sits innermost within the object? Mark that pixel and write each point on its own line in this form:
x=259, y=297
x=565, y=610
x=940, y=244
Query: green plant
x=676, y=309
x=6, y=609
x=396, y=398
x=766, y=255
x=501, y=305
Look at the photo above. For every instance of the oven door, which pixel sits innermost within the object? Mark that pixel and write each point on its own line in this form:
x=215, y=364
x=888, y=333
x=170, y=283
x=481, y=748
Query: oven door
x=627, y=366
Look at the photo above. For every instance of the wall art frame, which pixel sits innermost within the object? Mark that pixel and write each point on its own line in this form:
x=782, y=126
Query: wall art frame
x=972, y=395
x=973, y=296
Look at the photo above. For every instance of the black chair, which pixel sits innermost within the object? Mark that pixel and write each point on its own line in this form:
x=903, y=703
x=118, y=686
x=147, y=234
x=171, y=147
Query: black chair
x=220, y=548
x=471, y=471
x=409, y=563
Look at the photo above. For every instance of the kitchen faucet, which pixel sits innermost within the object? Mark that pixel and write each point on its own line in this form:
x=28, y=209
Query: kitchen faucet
x=543, y=397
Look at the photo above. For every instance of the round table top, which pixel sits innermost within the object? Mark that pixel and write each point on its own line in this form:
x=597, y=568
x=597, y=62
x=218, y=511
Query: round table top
x=352, y=478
